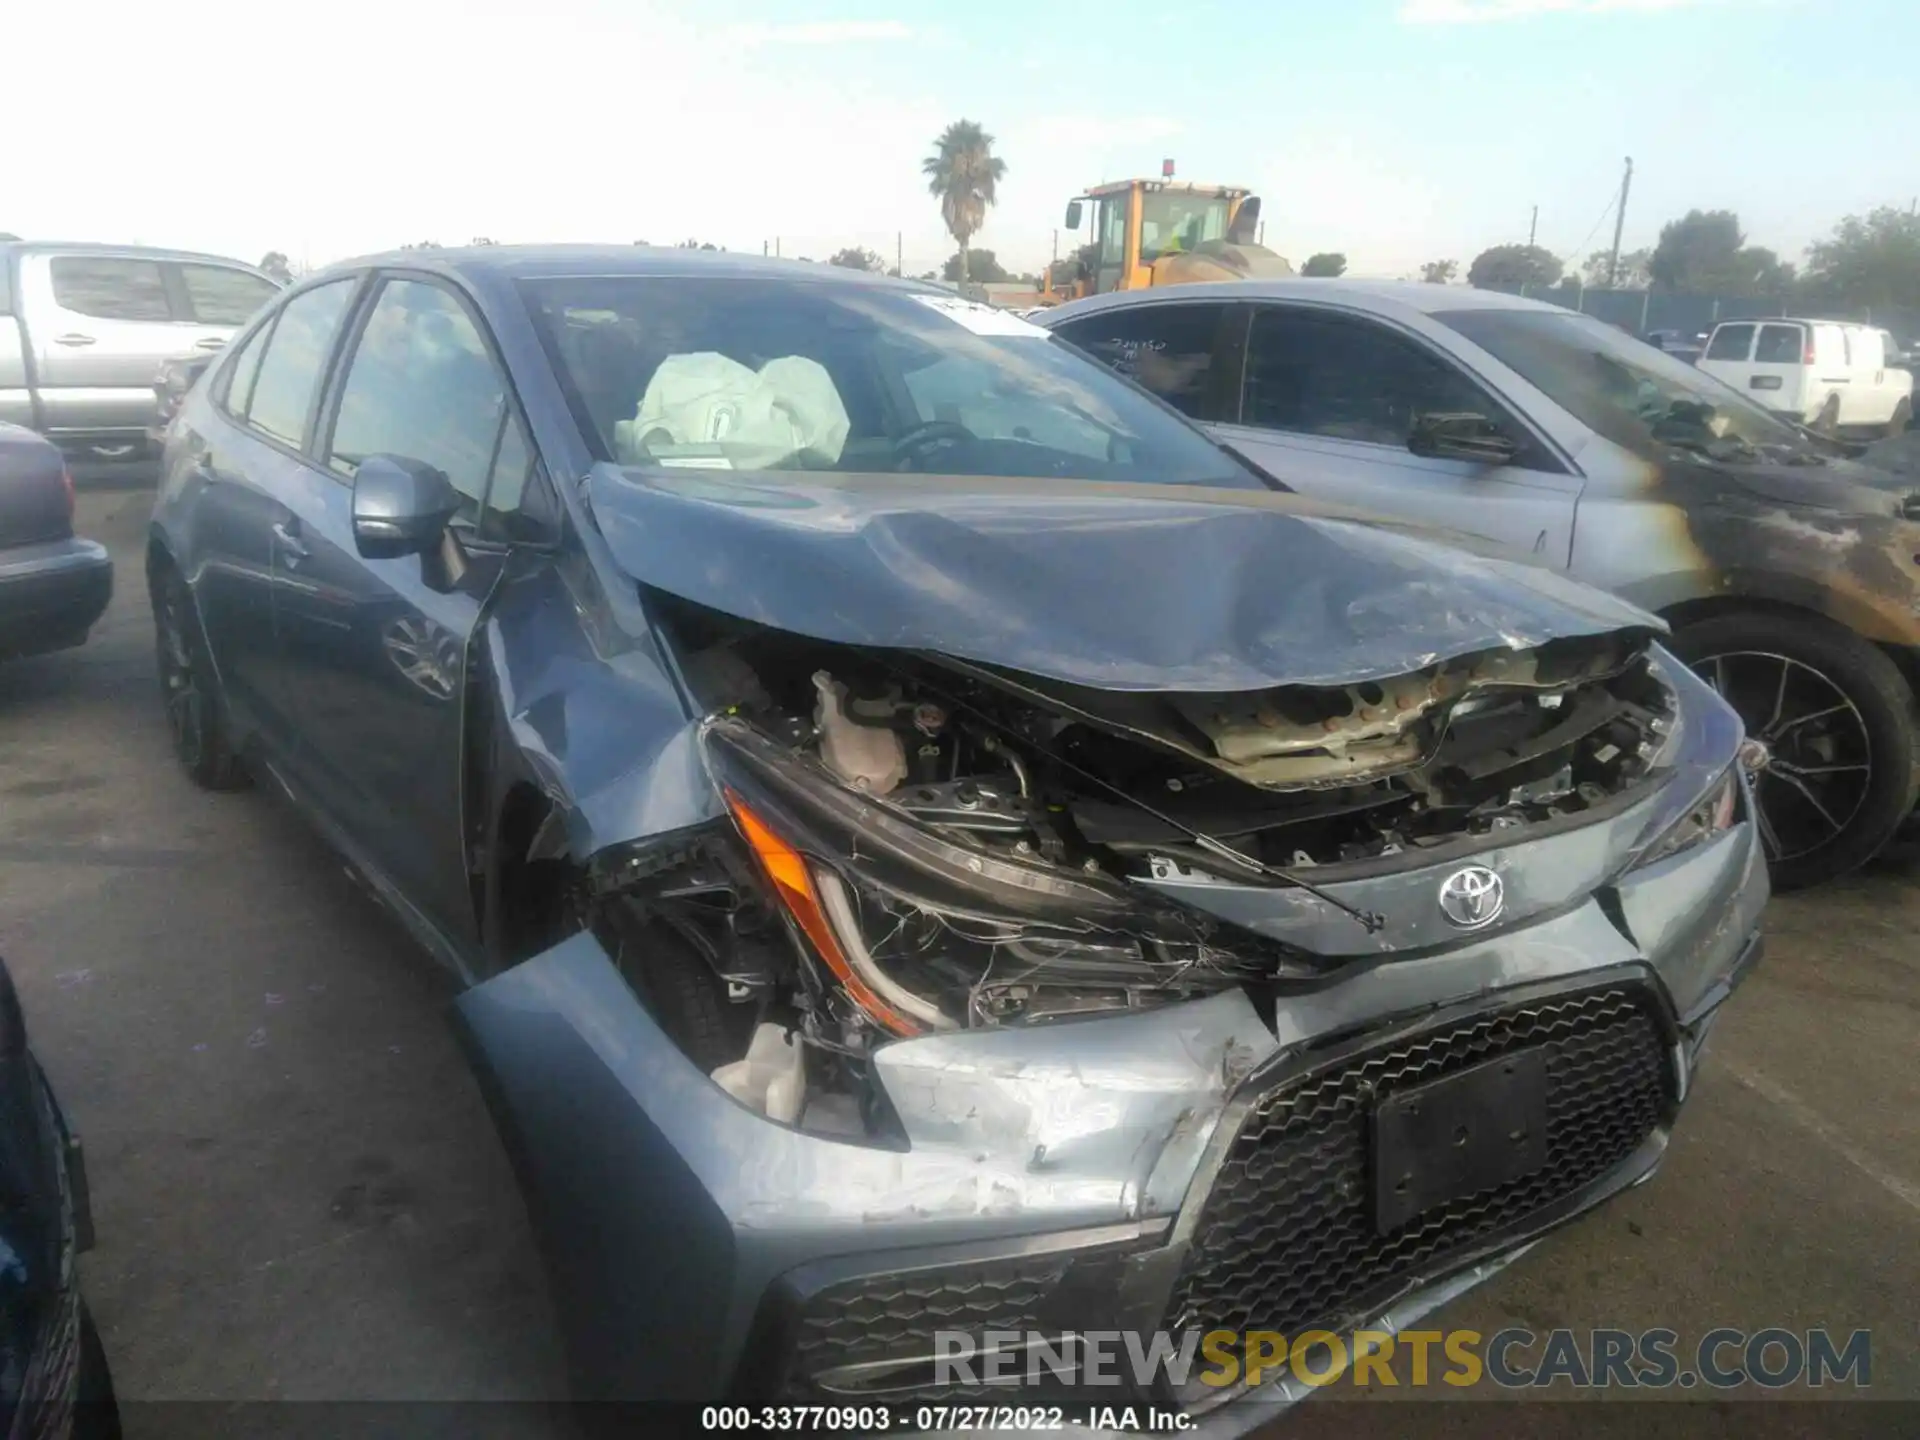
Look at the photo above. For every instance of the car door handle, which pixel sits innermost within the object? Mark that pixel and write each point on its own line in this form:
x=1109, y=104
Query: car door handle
x=212, y=342
x=74, y=339
x=291, y=544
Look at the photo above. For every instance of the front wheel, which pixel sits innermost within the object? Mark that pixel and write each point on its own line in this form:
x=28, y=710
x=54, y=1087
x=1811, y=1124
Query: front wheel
x=96, y=1414
x=1838, y=722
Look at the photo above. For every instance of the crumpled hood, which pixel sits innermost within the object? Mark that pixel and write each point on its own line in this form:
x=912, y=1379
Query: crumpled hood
x=1115, y=586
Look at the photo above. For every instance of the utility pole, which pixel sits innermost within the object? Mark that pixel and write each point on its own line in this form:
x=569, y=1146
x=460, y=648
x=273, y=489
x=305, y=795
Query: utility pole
x=1533, y=226
x=899, y=249
x=1619, y=223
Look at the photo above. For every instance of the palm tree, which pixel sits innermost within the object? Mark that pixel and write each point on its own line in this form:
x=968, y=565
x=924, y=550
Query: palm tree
x=961, y=173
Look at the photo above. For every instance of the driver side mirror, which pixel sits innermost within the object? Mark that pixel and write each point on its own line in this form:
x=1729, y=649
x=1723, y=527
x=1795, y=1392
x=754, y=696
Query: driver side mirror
x=1462, y=435
x=400, y=506
x=1073, y=215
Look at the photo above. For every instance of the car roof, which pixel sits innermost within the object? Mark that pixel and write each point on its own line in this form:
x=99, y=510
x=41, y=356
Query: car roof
x=99, y=247
x=1384, y=297
x=1794, y=320
x=527, y=262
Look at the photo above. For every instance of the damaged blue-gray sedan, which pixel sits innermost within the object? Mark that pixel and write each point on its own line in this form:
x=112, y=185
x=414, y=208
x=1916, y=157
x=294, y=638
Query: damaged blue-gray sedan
x=935, y=845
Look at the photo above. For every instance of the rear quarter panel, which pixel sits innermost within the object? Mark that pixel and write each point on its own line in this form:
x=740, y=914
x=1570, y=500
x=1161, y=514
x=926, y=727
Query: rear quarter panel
x=33, y=489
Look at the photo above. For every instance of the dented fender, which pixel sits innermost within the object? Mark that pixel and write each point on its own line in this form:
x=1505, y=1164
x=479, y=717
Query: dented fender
x=643, y=1178
x=594, y=713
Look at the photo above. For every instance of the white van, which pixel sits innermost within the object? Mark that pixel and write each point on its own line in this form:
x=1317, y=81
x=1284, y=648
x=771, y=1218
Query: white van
x=1822, y=373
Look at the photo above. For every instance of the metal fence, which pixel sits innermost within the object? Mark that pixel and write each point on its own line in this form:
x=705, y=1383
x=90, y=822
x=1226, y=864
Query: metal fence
x=1644, y=310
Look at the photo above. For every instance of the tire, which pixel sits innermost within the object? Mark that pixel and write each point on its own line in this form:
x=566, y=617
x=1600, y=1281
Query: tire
x=1827, y=422
x=681, y=990
x=189, y=693
x=1902, y=416
x=1843, y=760
x=96, y=1414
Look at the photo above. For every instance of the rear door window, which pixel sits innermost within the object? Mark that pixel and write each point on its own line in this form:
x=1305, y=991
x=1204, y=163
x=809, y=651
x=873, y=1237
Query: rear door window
x=110, y=288
x=1169, y=349
x=236, y=384
x=221, y=295
x=1315, y=373
x=1779, y=345
x=1730, y=342
x=296, y=353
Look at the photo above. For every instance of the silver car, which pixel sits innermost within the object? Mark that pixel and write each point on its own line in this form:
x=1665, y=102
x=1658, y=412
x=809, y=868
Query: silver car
x=85, y=329
x=1790, y=574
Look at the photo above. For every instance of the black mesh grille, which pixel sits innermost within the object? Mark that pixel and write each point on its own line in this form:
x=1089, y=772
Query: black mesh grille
x=894, y=1317
x=1286, y=1240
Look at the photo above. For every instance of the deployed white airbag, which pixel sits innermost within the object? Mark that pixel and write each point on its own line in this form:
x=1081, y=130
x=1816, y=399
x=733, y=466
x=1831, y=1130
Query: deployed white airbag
x=709, y=411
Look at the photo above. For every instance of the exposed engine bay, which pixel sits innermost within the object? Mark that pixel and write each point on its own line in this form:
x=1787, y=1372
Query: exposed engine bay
x=923, y=844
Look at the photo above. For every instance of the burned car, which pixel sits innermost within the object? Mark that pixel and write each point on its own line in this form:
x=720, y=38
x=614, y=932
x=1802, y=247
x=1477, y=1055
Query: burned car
x=1789, y=573
x=934, y=844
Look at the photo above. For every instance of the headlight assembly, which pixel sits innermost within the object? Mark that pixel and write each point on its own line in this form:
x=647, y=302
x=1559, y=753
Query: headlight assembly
x=923, y=933
x=1714, y=813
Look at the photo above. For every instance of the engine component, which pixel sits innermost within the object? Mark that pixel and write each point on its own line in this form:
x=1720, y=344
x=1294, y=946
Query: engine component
x=771, y=1079
x=867, y=757
x=946, y=846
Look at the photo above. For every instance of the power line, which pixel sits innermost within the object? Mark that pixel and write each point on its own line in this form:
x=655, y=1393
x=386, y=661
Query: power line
x=1612, y=200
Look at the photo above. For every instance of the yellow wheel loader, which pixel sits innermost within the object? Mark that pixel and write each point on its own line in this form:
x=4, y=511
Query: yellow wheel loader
x=1161, y=232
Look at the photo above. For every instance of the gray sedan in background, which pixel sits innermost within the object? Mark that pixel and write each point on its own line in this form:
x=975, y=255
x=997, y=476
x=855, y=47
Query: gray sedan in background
x=1790, y=574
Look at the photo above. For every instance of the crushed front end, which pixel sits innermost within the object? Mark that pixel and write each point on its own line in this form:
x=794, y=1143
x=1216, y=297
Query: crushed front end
x=990, y=1002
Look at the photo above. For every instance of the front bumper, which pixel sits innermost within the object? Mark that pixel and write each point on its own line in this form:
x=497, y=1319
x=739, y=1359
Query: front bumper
x=1056, y=1179
x=51, y=594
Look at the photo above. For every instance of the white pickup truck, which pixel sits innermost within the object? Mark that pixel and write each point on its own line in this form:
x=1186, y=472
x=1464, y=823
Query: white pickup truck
x=84, y=330
x=1828, y=374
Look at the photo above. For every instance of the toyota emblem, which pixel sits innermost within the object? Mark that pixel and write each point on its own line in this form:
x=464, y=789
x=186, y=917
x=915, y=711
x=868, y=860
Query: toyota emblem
x=1472, y=897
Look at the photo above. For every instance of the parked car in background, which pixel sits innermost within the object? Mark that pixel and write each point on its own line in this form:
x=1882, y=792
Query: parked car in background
x=1790, y=575
x=53, y=585
x=85, y=328
x=928, y=832
x=1900, y=356
x=56, y=1381
x=1683, y=345
x=1823, y=373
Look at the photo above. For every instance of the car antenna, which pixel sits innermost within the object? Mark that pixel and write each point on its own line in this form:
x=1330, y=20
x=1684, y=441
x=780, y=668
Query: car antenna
x=1369, y=920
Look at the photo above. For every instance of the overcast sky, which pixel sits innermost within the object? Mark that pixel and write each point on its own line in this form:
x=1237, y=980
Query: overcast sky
x=1394, y=130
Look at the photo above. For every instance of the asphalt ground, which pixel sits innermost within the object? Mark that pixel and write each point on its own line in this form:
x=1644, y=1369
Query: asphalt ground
x=299, y=1194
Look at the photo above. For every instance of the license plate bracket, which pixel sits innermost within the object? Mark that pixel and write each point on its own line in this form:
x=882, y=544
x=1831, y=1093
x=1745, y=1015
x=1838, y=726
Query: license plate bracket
x=1459, y=1135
